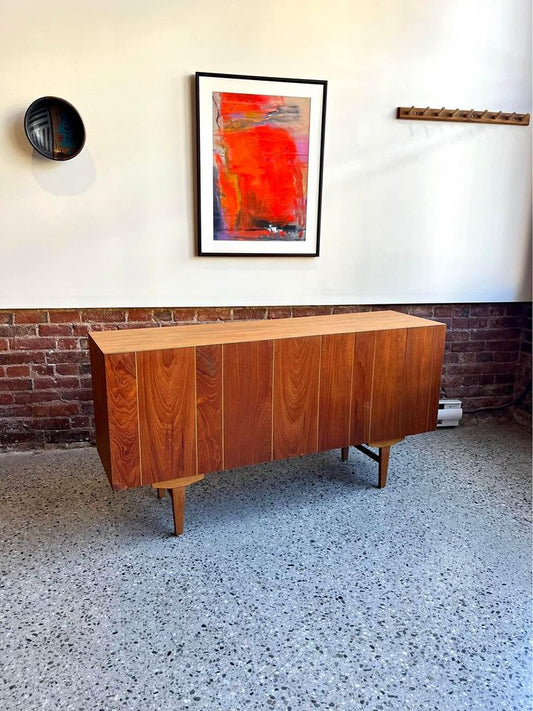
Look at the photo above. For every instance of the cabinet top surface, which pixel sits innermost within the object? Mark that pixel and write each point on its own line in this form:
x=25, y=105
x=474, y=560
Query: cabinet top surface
x=148, y=339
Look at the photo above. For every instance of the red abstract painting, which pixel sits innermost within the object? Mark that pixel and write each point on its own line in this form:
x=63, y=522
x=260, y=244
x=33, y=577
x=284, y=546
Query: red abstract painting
x=260, y=166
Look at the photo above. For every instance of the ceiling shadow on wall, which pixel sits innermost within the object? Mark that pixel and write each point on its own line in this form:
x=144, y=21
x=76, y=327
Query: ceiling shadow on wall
x=423, y=140
x=70, y=177
x=526, y=285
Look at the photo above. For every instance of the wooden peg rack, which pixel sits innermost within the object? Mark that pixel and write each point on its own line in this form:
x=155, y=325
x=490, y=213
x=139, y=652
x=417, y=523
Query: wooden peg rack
x=427, y=114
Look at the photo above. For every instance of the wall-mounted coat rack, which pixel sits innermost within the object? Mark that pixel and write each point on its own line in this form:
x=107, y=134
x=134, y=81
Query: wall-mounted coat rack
x=427, y=114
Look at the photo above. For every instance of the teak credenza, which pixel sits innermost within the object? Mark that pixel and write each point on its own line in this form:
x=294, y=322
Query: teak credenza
x=172, y=404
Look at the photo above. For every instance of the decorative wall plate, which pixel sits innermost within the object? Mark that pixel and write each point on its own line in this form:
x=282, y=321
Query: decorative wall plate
x=54, y=128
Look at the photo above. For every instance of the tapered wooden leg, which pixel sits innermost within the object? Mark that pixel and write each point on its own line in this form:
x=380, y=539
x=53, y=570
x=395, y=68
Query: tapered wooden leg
x=384, y=453
x=176, y=488
x=382, y=458
x=160, y=493
x=178, y=508
x=344, y=453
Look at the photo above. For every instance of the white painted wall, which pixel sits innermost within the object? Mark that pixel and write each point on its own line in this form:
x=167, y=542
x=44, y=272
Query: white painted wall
x=412, y=211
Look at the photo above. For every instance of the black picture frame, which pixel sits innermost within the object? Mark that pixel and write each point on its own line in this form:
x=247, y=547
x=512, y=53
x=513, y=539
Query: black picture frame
x=260, y=158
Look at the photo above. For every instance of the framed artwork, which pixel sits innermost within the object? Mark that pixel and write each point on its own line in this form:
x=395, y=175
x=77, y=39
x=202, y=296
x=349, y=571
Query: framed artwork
x=260, y=156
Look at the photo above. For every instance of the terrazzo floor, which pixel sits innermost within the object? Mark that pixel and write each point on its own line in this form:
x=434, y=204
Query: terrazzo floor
x=297, y=585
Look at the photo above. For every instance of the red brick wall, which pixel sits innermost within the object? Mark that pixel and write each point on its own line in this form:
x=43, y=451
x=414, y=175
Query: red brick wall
x=45, y=379
x=522, y=411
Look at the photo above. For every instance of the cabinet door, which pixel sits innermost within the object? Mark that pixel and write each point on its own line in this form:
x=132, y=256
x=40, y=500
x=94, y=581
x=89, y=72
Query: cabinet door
x=405, y=392
x=336, y=376
x=247, y=395
x=363, y=369
x=423, y=364
x=123, y=420
x=296, y=382
x=167, y=414
x=209, y=405
x=388, y=385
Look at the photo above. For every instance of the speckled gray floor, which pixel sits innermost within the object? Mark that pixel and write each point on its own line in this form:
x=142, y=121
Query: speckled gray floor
x=296, y=586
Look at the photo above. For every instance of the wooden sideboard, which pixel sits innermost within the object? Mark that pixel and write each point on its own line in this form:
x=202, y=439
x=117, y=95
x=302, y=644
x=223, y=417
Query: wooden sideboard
x=172, y=404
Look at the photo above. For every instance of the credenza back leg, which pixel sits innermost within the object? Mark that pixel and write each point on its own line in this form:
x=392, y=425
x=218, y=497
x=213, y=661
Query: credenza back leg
x=160, y=493
x=382, y=457
x=384, y=453
x=344, y=453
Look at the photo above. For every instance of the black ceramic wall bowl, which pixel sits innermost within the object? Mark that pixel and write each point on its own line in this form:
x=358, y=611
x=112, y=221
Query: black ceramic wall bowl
x=54, y=128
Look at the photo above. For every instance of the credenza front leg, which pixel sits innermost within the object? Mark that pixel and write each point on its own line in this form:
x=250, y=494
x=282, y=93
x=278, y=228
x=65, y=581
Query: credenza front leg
x=178, y=508
x=176, y=488
x=344, y=453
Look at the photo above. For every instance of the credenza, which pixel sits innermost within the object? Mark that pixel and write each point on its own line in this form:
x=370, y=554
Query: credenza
x=174, y=403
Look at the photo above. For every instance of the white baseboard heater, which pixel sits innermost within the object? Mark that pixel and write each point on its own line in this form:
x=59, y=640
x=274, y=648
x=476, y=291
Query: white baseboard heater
x=450, y=412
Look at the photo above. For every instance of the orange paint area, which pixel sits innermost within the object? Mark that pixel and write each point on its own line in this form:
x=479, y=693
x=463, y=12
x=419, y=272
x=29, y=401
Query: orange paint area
x=261, y=149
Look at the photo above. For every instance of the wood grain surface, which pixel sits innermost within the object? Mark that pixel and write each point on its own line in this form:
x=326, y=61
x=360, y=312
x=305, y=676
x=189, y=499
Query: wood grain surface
x=436, y=355
x=101, y=415
x=237, y=398
x=247, y=388
x=209, y=405
x=363, y=370
x=335, y=410
x=388, y=385
x=418, y=379
x=142, y=339
x=167, y=414
x=123, y=420
x=296, y=383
